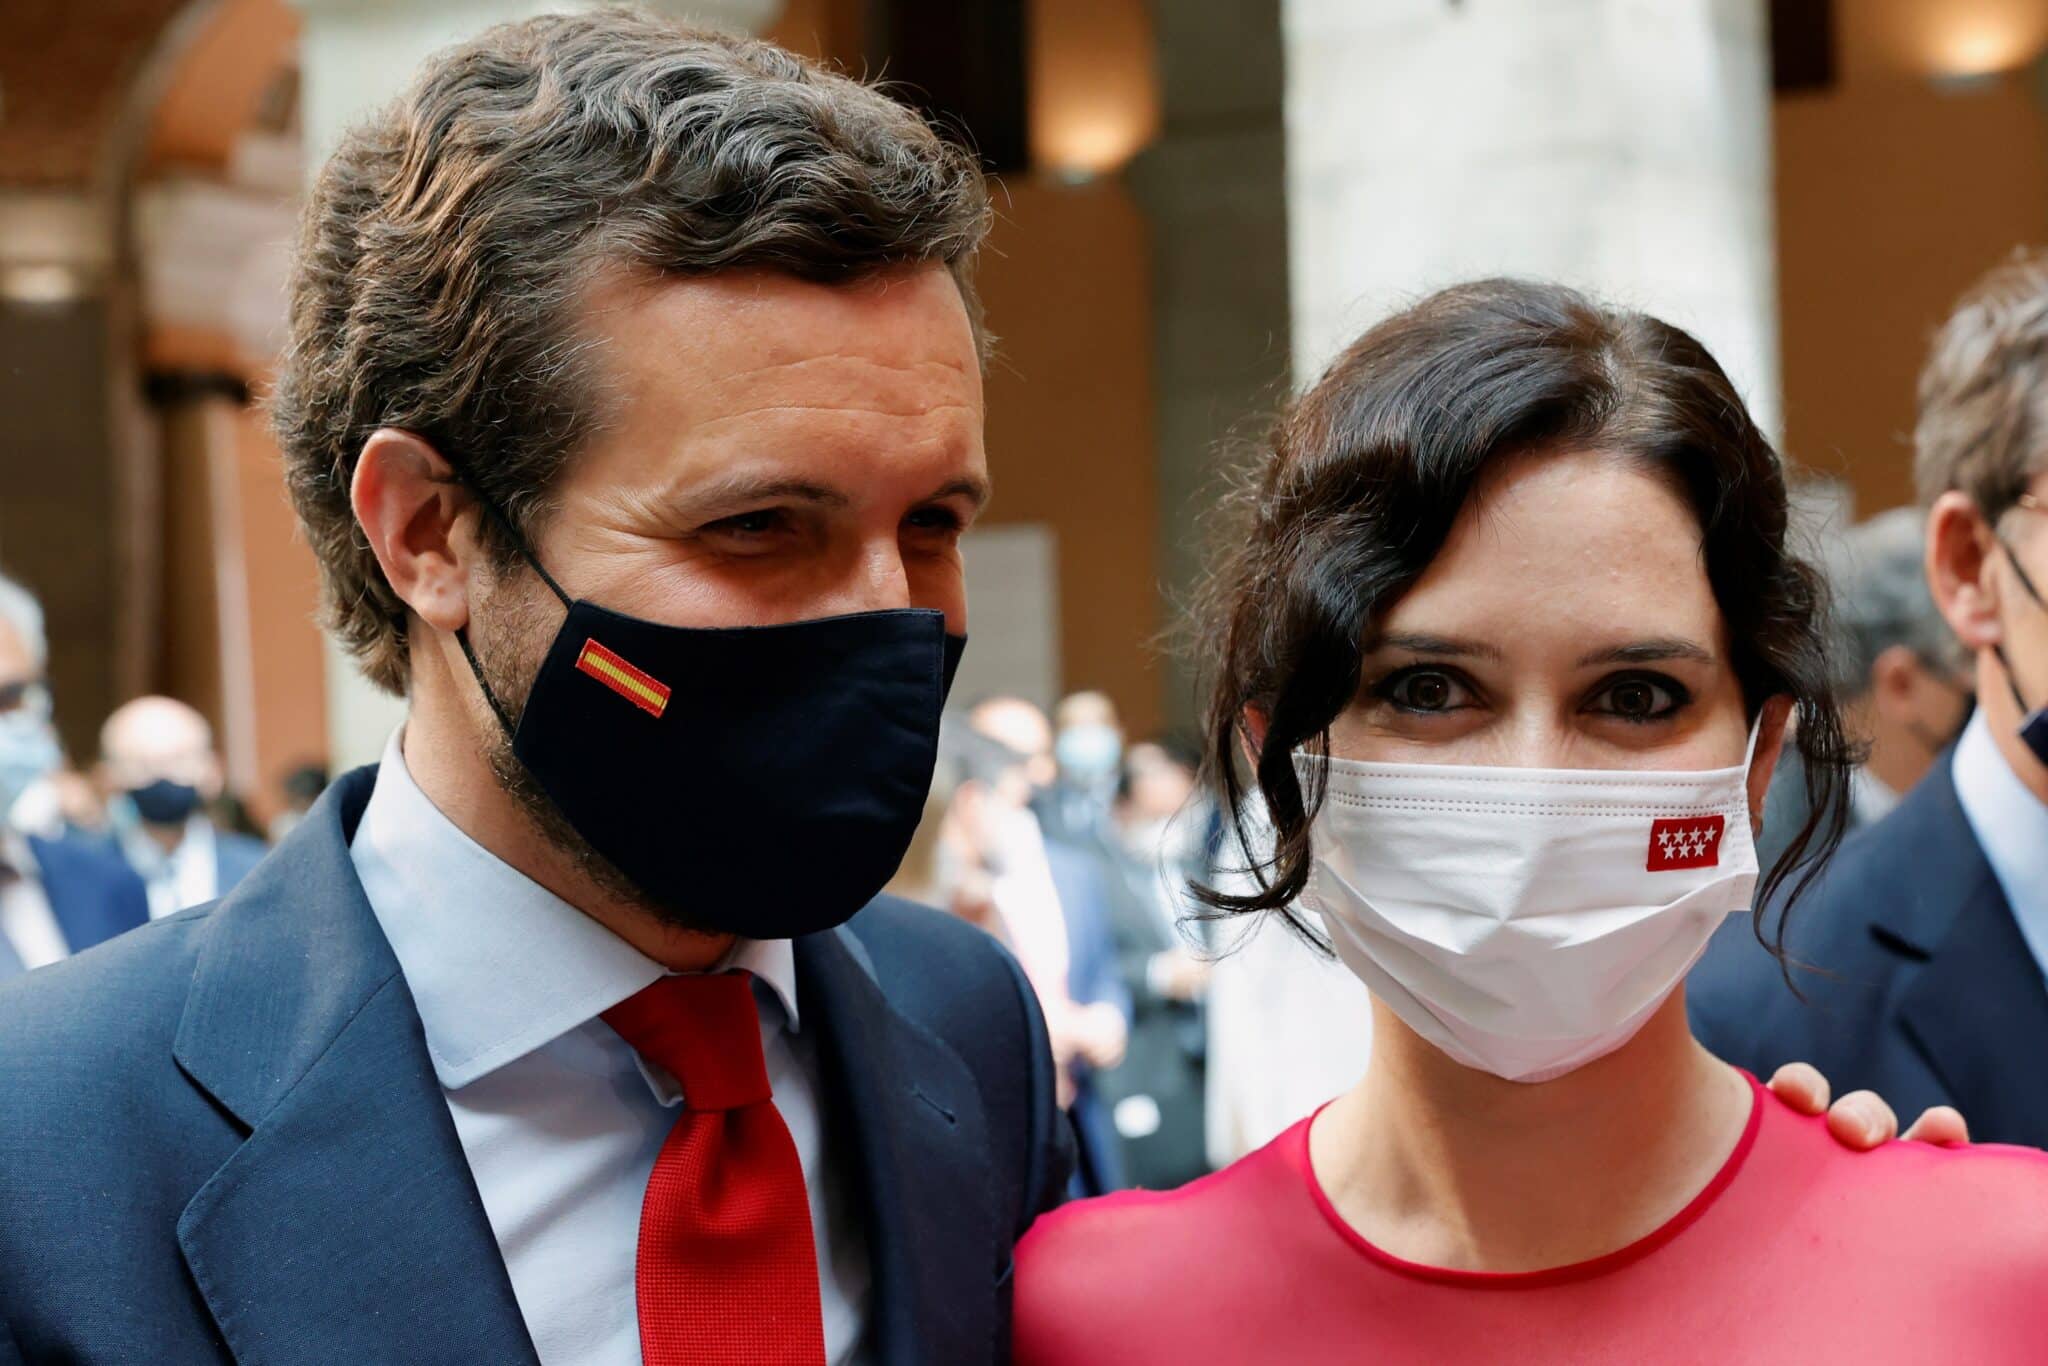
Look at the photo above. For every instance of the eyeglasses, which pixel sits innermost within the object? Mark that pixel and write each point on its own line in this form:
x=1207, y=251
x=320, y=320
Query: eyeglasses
x=25, y=694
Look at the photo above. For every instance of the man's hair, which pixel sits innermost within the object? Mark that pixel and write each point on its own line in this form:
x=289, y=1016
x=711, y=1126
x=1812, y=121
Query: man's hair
x=449, y=239
x=20, y=609
x=1878, y=578
x=1983, y=424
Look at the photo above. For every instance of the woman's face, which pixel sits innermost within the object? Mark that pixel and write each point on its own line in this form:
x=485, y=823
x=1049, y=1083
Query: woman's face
x=1566, y=623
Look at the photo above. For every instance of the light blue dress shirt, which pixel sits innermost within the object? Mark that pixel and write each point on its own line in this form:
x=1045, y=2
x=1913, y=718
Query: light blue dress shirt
x=559, y=1117
x=2011, y=825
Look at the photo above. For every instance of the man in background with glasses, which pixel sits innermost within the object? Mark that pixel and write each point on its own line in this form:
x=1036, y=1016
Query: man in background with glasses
x=59, y=894
x=1931, y=927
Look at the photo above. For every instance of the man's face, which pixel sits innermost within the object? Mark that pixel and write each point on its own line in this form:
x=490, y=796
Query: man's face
x=778, y=451
x=17, y=665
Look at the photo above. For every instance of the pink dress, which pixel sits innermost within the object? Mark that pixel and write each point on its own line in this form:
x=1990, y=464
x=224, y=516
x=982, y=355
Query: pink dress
x=1797, y=1251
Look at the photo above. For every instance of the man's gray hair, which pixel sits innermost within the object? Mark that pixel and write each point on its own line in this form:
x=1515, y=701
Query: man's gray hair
x=1877, y=571
x=19, y=609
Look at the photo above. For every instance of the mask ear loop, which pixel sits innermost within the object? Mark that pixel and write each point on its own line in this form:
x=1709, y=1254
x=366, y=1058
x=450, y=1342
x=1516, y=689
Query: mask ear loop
x=1998, y=650
x=491, y=510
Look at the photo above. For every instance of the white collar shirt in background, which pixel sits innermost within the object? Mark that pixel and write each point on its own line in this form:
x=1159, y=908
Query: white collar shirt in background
x=2011, y=825
x=187, y=876
x=26, y=919
x=559, y=1118
x=1869, y=799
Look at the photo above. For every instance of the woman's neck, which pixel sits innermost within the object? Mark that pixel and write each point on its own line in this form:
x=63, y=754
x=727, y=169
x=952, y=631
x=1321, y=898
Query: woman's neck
x=1446, y=1166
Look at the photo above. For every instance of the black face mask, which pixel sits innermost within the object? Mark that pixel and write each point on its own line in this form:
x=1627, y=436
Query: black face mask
x=164, y=802
x=2034, y=728
x=764, y=780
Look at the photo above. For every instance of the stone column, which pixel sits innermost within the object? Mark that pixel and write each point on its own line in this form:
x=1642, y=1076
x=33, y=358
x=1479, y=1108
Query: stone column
x=1216, y=199
x=353, y=56
x=1618, y=145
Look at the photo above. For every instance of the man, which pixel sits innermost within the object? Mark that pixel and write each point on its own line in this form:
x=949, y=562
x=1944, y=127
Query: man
x=1895, y=665
x=563, y=1034
x=1088, y=751
x=58, y=893
x=1088, y=1009
x=159, y=770
x=1931, y=927
x=607, y=339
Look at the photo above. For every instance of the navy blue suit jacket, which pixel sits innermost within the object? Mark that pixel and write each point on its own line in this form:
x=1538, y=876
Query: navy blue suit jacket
x=222, y=1138
x=93, y=894
x=1926, y=992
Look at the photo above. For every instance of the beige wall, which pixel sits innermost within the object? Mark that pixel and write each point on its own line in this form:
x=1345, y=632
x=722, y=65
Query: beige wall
x=1070, y=421
x=1893, y=195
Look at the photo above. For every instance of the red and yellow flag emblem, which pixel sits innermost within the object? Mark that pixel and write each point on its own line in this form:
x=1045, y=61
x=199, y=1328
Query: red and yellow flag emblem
x=643, y=691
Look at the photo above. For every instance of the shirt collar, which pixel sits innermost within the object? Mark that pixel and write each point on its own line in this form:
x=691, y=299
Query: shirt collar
x=498, y=965
x=2010, y=822
x=1869, y=798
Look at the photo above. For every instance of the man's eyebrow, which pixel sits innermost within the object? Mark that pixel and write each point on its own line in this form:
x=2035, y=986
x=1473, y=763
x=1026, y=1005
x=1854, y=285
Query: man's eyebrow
x=1423, y=643
x=976, y=491
x=738, y=492
x=1649, y=651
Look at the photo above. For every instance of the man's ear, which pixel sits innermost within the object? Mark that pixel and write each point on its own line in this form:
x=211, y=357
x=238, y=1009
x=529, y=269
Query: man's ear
x=1773, y=729
x=1958, y=570
x=1895, y=681
x=420, y=524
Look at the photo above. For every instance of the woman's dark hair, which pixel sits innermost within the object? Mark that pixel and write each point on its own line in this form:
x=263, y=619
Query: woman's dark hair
x=1362, y=479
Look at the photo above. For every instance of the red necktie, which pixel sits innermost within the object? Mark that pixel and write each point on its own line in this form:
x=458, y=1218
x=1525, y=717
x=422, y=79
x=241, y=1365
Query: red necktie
x=727, y=1272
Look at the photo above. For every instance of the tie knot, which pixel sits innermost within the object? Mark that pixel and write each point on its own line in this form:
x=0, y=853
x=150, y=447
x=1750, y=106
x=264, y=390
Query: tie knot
x=705, y=1030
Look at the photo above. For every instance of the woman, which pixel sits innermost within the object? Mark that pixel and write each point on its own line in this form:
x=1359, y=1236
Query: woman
x=1511, y=639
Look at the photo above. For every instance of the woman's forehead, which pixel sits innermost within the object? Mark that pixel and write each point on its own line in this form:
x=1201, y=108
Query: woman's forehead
x=1580, y=542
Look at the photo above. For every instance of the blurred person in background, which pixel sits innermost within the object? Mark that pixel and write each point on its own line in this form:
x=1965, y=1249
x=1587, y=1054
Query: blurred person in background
x=1157, y=841
x=160, y=772
x=60, y=893
x=1046, y=888
x=302, y=787
x=1288, y=1027
x=1930, y=930
x=1088, y=748
x=1904, y=684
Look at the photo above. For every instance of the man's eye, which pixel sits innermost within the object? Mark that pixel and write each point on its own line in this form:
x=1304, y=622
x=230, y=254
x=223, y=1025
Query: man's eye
x=936, y=519
x=759, y=523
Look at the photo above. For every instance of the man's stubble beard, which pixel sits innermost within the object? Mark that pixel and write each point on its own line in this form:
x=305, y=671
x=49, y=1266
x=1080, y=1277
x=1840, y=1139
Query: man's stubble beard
x=511, y=638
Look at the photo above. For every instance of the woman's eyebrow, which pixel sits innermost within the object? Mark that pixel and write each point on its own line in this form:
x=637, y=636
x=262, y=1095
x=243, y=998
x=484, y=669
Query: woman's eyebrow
x=1649, y=651
x=1423, y=643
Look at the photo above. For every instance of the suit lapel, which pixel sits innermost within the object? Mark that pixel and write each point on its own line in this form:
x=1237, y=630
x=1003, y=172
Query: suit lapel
x=347, y=1226
x=1980, y=993
x=1979, y=997
x=906, y=1117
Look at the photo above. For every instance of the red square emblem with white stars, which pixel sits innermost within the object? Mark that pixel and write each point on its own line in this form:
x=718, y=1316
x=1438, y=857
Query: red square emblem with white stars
x=1694, y=842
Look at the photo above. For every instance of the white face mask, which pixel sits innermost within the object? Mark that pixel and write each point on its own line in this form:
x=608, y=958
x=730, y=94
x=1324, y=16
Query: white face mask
x=1527, y=921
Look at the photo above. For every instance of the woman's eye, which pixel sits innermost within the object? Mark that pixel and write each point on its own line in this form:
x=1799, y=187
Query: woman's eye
x=1640, y=699
x=1424, y=691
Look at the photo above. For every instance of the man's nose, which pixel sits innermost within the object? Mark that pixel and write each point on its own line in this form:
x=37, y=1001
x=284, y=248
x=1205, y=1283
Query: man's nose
x=876, y=581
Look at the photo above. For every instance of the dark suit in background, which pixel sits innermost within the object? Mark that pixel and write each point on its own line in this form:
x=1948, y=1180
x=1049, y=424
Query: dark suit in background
x=223, y=1140
x=235, y=856
x=1085, y=889
x=92, y=894
x=1928, y=994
